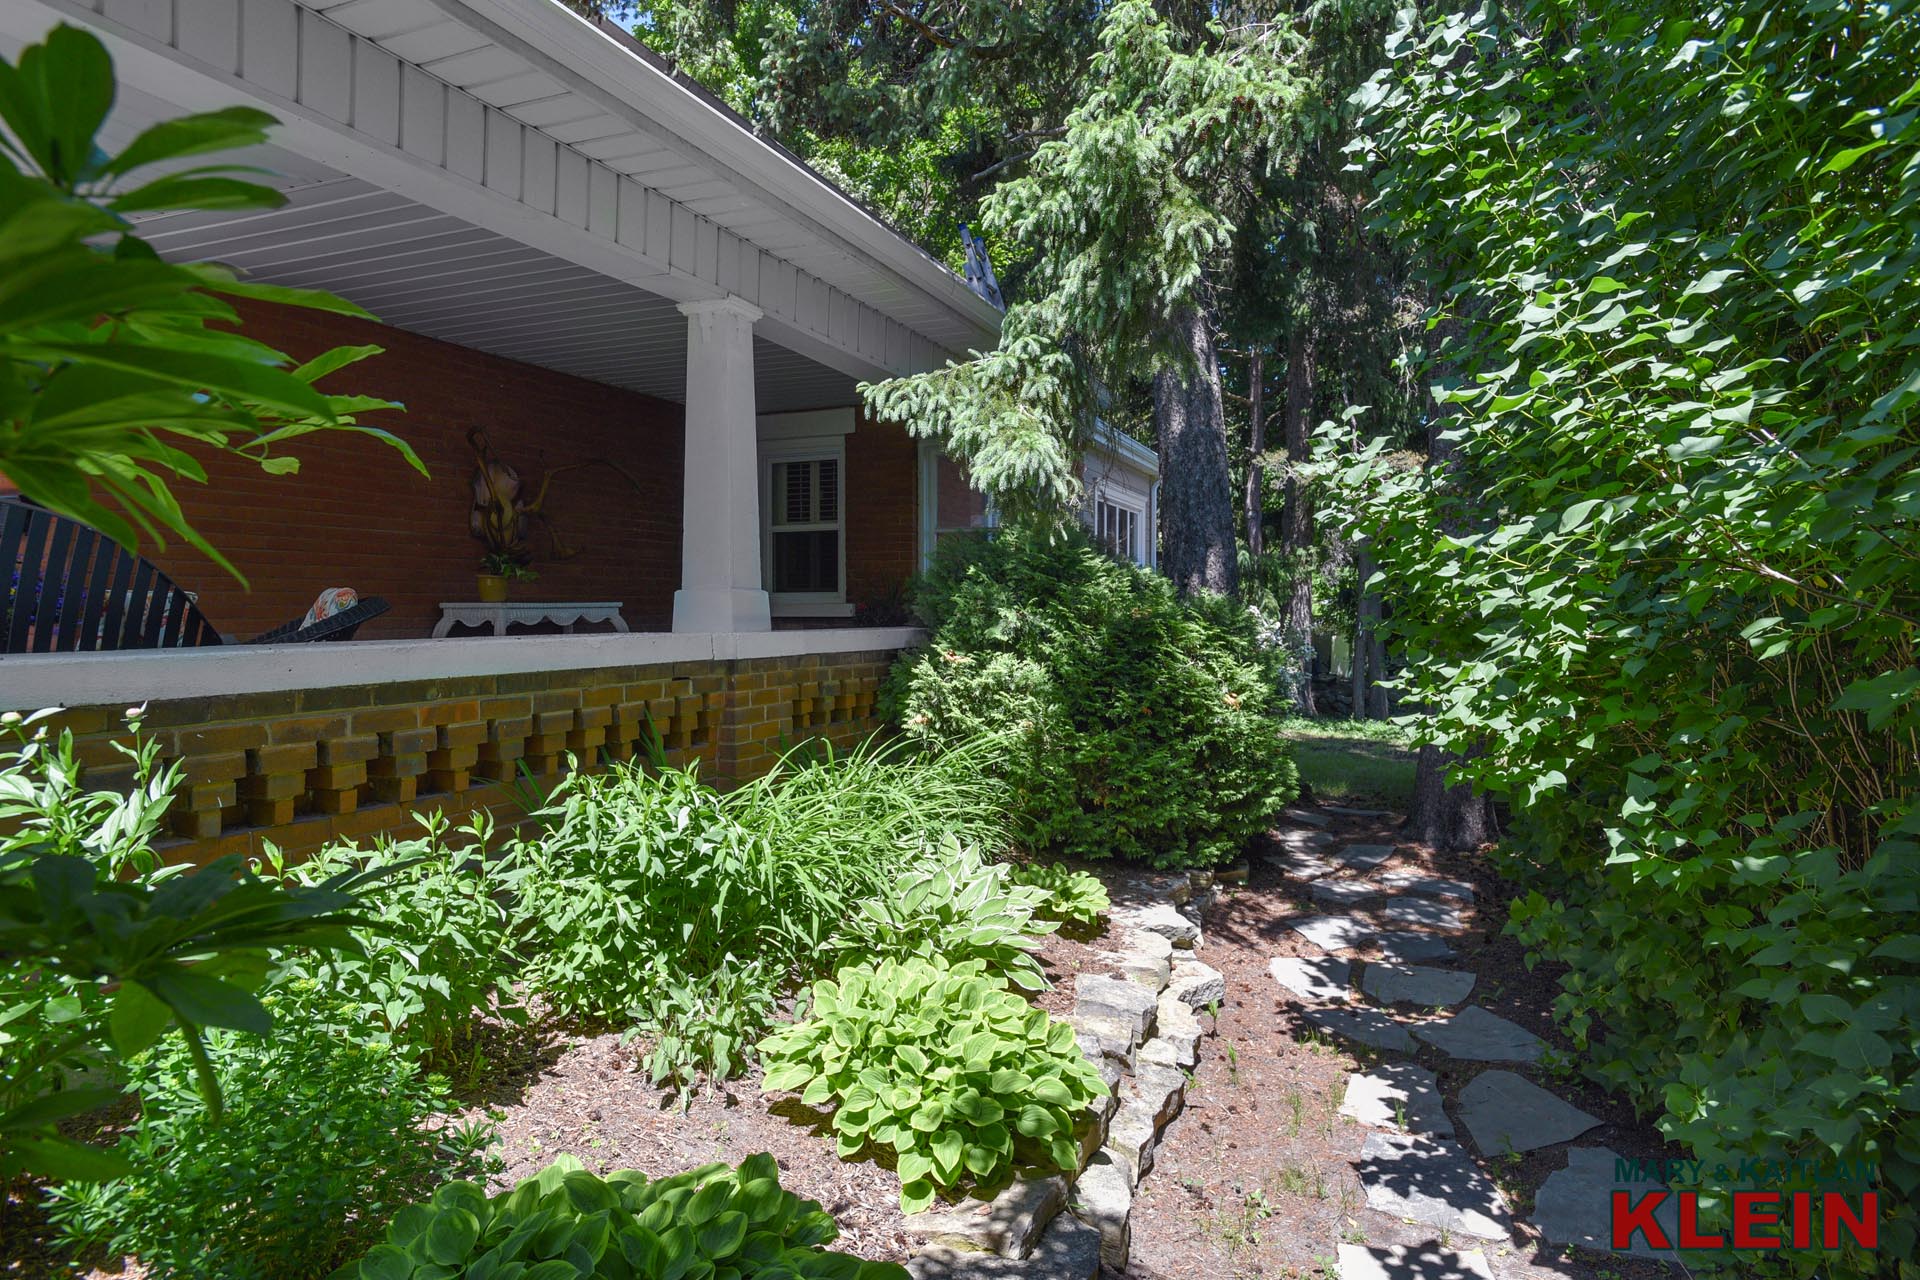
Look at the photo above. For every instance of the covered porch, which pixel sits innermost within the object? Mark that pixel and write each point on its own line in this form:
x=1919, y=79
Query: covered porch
x=585, y=262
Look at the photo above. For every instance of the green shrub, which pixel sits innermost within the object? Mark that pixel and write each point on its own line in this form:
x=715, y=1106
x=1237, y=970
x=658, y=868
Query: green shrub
x=437, y=950
x=321, y=1140
x=956, y=906
x=959, y=1076
x=1672, y=618
x=566, y=1224
x=1134, y=725
x=1073, y=897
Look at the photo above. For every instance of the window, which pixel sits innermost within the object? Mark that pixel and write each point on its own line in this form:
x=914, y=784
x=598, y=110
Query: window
x=1117, y=528
x=804, y=528
x=949, y=504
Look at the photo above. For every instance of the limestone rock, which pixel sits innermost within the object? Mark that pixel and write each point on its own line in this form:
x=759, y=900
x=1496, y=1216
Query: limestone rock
x=1368, y=1026
x=1304, y=840
x=1235, y=874
x=1411, y=1262
x=1068, y=1250
x=1196, y=985
x=1142, y=970
x=1505, y=1112
x=1346, y=811
x=1143, y=943
x=1009, y=1224
x=1130, y=1140
x=1103, y=1038
x=1341, y=893
x=1401, y=945
x=1363, y=857
x=1300, y=865
x=1160, y=1090
x=1429, y=886
x=1423, y=911
x=1103, y=1199
x=1573, y=1205
x=1126, y=1002
x=1305, y=817
x=1177, y=1038
x=1474, y=1035
x=1397, y=1095
x=1319, y=980
x=1333, y=933
x=1391, y=983
x=1432, y=1181
x=1162, y=919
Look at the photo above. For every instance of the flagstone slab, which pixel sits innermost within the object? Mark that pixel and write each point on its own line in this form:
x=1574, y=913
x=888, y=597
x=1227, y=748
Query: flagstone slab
x=1431, y=1181
x=1305, y=817
x=1397, y=1095
x=1368, y=1026
x=1347, y=811
x=1305, y=839
x=1575, y=1205
x=1474, y=1035
x=1393, y=983
x=1334, y=933
x=1318, y=980
x=1410, y=1262
x=1403, y=945
x=1300, y=865
x=1430, y=912
x=1506, y=1112
x=1402, y=881
x=1363, y=857
x=1342, y=893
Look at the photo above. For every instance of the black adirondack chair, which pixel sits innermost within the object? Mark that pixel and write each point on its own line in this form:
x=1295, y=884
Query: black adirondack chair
x=70, y=589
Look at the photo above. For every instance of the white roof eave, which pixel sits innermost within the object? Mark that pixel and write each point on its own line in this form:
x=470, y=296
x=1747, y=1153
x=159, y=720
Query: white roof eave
x=594, y=64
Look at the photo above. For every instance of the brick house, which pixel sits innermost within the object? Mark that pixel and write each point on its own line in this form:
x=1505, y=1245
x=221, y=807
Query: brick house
x=577, y=250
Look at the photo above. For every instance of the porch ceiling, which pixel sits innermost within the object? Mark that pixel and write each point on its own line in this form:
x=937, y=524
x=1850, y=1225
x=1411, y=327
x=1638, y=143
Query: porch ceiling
x=504, y=174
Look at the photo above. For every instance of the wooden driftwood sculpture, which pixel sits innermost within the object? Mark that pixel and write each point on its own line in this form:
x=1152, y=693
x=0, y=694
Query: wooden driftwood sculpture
x=502, y=519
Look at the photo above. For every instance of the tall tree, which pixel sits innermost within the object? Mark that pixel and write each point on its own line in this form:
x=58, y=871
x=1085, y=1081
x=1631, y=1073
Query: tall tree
x=1130, y=216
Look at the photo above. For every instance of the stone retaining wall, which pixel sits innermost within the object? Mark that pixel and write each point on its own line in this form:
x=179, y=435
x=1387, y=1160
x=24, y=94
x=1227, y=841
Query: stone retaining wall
x=303, y=768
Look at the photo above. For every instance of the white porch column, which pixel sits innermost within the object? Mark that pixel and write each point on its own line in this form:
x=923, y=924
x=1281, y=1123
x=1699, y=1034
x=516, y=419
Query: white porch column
x=720, y=584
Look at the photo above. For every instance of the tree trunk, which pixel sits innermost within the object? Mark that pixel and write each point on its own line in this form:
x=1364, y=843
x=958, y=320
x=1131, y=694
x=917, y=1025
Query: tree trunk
x=1366, y=608
x=1256, y=445
x=1451, y=819
x=1196, y=481
x=1296, y=534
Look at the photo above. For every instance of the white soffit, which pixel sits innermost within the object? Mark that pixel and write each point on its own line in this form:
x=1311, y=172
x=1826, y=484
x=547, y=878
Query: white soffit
x=520, y=119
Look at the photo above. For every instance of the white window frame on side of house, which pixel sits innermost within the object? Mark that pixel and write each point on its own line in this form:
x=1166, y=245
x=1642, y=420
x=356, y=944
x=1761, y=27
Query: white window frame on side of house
x=1121, y=503
x=930, y=526
x=818, y=436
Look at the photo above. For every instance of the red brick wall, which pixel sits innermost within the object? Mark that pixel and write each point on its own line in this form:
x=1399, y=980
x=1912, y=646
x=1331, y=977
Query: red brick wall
x=357, y=516
x=883, y=529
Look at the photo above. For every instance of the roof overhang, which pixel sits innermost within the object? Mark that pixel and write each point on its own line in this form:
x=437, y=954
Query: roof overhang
x=520, y=120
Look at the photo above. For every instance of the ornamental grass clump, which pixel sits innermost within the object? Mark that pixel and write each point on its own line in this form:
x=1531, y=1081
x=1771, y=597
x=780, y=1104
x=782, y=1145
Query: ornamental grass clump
x=960, y=1077
x=1132, y=724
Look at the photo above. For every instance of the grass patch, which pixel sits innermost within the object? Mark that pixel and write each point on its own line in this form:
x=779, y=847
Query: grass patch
x=1353, y=759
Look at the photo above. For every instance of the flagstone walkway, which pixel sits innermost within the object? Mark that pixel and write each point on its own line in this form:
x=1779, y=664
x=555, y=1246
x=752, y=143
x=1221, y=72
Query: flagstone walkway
x=1474, y=1150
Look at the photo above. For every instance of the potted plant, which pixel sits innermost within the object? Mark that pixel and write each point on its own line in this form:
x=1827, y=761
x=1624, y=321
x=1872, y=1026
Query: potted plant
x=497, y=569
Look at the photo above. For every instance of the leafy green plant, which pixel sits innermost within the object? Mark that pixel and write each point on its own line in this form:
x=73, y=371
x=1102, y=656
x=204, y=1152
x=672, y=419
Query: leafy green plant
x=565, y=1223
x=650, y=897
x=112, y=359
x=956, y=906
x=1073, y=897
x=102, y=949
x=322, y=1139
x=958, y=1075
x=437, y=950
x=1132, y=724
x=1662, y=596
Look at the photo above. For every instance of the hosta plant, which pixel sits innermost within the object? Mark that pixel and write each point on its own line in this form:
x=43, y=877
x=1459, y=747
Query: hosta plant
x=1073, y=897
x=711, y=1223
x=957, y=906
x=962, y=1078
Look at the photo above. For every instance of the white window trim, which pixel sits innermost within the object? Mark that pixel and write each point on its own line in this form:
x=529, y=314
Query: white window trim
x=930, y=504
x=1134, y=505
x=803, y=604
